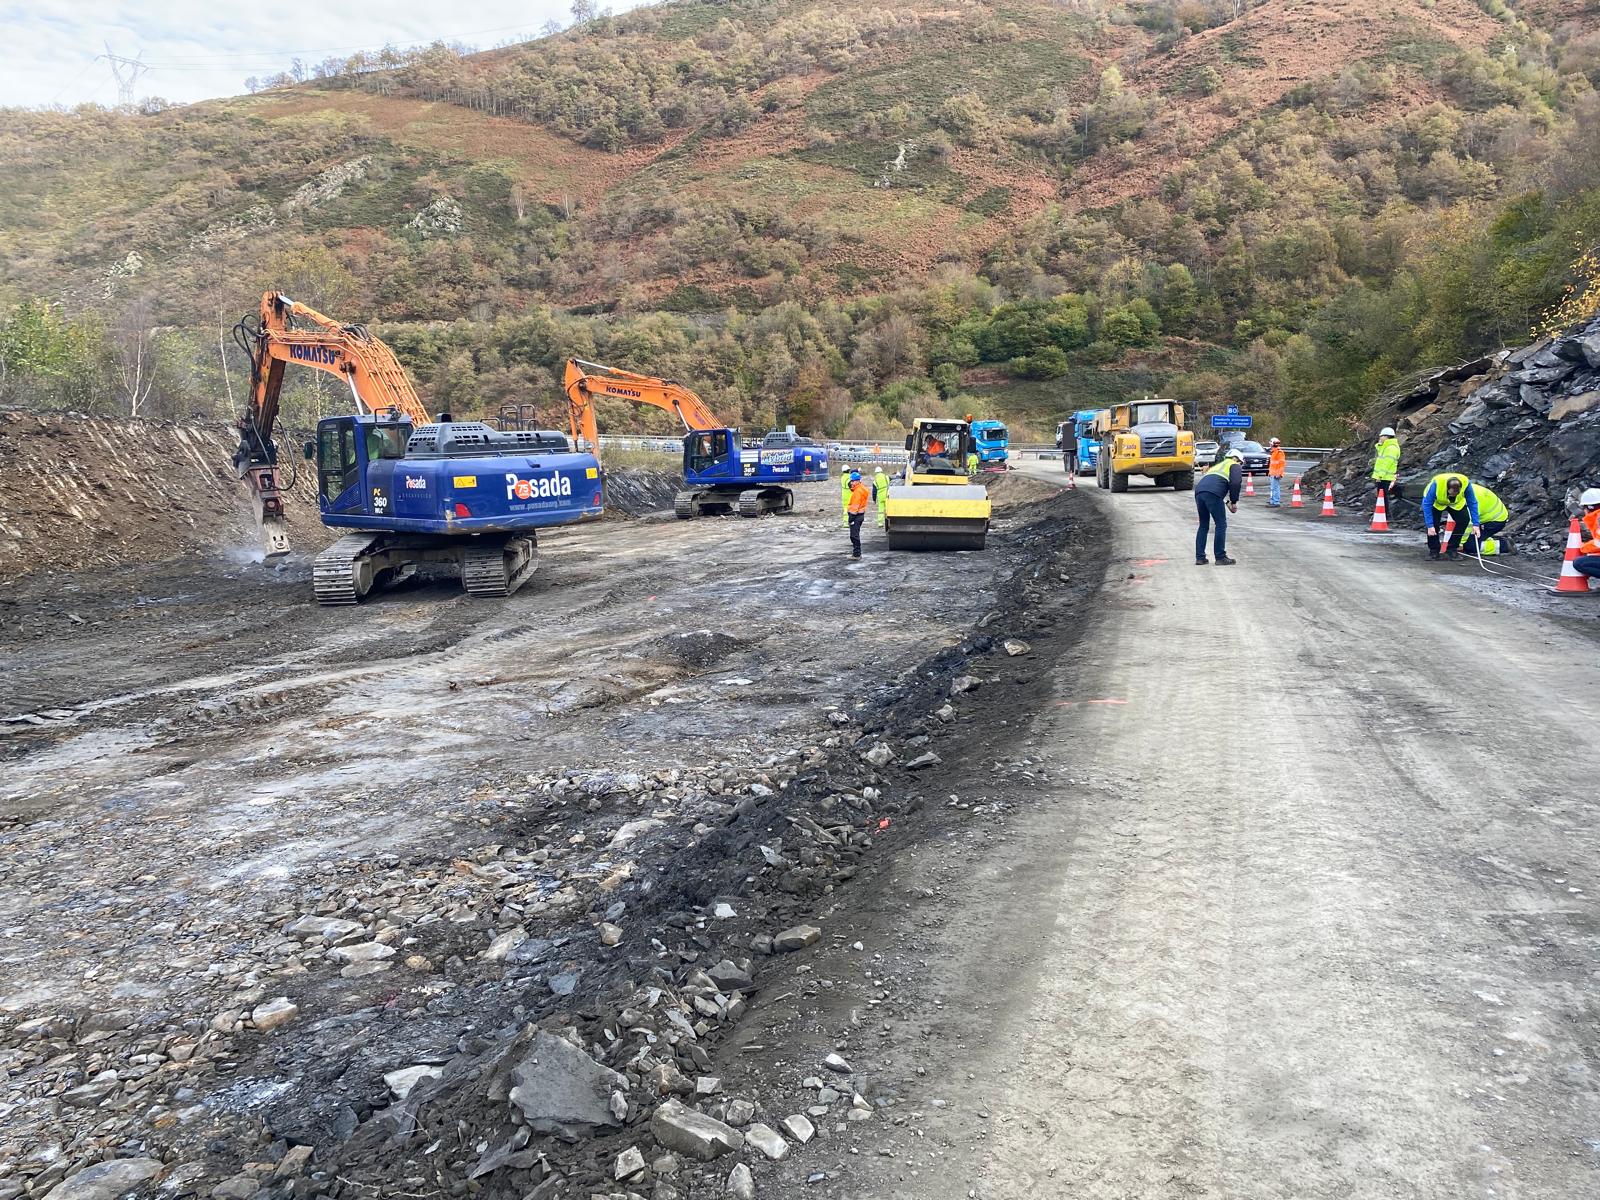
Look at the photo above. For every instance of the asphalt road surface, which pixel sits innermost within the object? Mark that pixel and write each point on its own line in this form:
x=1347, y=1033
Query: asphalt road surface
x=1317, y=915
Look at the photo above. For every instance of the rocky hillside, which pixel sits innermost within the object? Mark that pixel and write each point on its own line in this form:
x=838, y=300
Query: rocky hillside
x=826, y=212
x=1525, y=422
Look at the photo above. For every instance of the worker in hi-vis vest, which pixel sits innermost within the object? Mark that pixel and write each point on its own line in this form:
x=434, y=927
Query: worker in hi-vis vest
x=1474, y=508
x=1386, y=462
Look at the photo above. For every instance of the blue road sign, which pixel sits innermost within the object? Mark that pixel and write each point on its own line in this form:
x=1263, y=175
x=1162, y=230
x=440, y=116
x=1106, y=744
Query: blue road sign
x=1231, y=421
x=1233, y=410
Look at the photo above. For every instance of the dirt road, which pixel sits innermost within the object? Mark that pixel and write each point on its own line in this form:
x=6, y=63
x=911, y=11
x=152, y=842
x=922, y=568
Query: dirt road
x=1310, y=910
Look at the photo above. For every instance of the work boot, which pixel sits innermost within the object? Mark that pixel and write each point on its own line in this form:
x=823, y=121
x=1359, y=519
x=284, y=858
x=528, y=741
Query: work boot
x=1224, y=561
x=1433, y=556
x=1451, y=555
x=1202, y=561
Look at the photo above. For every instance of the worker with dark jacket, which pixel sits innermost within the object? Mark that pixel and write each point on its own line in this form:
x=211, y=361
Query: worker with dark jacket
x=1474, y=508
x=860, y=497
x=1588, y=560
x=1217, y=488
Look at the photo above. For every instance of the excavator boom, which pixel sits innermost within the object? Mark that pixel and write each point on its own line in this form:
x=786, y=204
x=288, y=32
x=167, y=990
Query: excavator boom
x=285, y=332
x=586, y=380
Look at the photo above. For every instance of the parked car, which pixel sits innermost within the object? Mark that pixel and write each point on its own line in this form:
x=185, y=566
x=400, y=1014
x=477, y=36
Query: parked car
x=1205, y=453
x=1255, y=456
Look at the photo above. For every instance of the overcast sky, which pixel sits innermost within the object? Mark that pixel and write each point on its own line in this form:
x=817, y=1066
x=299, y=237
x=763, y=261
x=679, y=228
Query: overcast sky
x=201, y=49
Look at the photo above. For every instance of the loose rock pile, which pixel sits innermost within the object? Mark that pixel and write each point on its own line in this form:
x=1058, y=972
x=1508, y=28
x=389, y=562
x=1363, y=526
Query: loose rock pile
x=1526, y=422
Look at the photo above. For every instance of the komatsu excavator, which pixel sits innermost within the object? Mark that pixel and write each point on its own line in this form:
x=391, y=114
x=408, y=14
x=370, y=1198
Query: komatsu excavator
x=719, y=475
x=411, y=490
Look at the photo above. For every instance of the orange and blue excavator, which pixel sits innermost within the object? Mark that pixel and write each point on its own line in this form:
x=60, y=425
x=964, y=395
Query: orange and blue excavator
x=720, y=475
x=409, y=489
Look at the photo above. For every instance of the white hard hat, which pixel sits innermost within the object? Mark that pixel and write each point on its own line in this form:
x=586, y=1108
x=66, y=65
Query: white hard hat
x=1235, y=452
x=1590, y=496
x=1386, y=431
x=1275, y=441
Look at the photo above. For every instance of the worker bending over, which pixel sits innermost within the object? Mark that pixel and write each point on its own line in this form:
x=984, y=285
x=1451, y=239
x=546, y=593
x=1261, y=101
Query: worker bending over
x=1277, y=464
x=1386, y=462
x=856, y=512
x=1588, y=560
x=1216, y=495
x=1475, y=509
x=880, y=490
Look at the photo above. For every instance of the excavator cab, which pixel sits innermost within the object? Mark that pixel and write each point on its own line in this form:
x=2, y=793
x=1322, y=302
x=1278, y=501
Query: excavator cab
x=707, y=449
x=345, y=447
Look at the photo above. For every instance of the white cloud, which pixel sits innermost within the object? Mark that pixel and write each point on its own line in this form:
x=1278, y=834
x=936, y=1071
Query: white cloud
x=199, y=50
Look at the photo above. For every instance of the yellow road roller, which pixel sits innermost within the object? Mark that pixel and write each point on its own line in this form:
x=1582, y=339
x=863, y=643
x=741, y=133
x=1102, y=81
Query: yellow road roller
x=936, y=506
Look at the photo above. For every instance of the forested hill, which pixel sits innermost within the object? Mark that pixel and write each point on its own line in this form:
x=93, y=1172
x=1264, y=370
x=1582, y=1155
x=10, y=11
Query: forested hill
x=848, y=212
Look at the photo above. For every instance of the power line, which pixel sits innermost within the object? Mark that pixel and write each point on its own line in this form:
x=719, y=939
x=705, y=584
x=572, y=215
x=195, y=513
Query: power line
x=126, y=72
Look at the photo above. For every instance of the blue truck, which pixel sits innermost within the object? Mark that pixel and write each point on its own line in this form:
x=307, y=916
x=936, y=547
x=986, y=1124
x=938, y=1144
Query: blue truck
x=990, y=443
x=1080, y=428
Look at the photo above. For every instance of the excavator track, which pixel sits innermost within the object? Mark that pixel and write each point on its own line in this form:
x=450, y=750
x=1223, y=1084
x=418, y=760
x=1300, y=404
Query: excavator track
x=683, y=504
x=755, y=501
x=498, y=568
x=339, y=574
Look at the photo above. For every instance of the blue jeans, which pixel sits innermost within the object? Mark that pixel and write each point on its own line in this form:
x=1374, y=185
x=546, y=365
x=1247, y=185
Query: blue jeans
x=1277, y=489
x=1211, y=507
x=1587, y=564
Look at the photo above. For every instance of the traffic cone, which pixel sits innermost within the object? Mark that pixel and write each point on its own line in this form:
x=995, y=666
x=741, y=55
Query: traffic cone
x=1572, y=580
x=1294, y=500
x=1380, y=516
x=1449, y=529
x=1327, y=500
x=1249, y=485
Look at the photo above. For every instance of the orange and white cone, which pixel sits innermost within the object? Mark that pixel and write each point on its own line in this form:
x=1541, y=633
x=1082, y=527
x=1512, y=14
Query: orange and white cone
x=1327, y=500
x=1573, y=580
x=1294, y=500
x=1249, y=485
x=1380, y=516
x=1449, y=530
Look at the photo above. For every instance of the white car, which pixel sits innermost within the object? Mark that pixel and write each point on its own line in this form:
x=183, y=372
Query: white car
x=1205, y=452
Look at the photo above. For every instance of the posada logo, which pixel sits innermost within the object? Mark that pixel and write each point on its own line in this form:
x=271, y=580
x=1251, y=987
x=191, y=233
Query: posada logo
x=548, y=487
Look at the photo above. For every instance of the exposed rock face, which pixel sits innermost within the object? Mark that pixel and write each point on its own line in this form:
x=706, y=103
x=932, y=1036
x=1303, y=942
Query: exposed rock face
x=1525, y=422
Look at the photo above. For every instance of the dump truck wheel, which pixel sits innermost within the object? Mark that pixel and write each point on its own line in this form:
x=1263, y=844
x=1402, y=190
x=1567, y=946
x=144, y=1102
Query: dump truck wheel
x=1119, y=483
x=1183, y=481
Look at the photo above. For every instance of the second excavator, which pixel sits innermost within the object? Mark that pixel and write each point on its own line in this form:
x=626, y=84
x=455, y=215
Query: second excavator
x=719, y=474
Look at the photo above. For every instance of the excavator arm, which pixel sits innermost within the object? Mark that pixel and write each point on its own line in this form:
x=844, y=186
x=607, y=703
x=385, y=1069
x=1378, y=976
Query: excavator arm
x=586, y=380
x=289, y=332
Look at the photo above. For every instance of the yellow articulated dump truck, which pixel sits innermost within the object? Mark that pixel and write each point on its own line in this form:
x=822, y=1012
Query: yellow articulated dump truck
x=1144, y=437
x=937, y=507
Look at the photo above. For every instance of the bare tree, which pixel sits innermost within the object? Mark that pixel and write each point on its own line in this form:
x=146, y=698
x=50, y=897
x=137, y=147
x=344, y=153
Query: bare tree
x=582, y=11
x=134, y=353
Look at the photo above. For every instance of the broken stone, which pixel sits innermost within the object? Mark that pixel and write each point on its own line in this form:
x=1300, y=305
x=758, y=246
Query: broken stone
x=293, y=1163
x=561, y=1090
x=799, y=1128
x=767, y=1140
x=629, y=1163
x=707, y=1085
x=632, y=830
x=362, y=952
x=1016, y=646
x=1571, y=406
x=329, y=929
x=107, y=1180
x=505, y=944
x=667, y=1079
x=729, y=976
x=695, y=1134
x=565, y=983
x=610, y=934
x=962, y=683
x=274, y=1013
x=879, y=756
x=240, y=1187
x=402, y=1081
x=797, y=938
x=739, y=1112
x=741, y=1184
x=927, y=759
x=835, y=1062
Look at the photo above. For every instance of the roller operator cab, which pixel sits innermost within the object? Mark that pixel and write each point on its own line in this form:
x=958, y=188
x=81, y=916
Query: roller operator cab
x=935, y=506
x=452, y=492
x=992, y=444
x=722, y=476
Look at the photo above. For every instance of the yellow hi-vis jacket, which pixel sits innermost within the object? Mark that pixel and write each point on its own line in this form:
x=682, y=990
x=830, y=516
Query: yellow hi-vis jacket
x=1386, y=460
x=844, y=490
